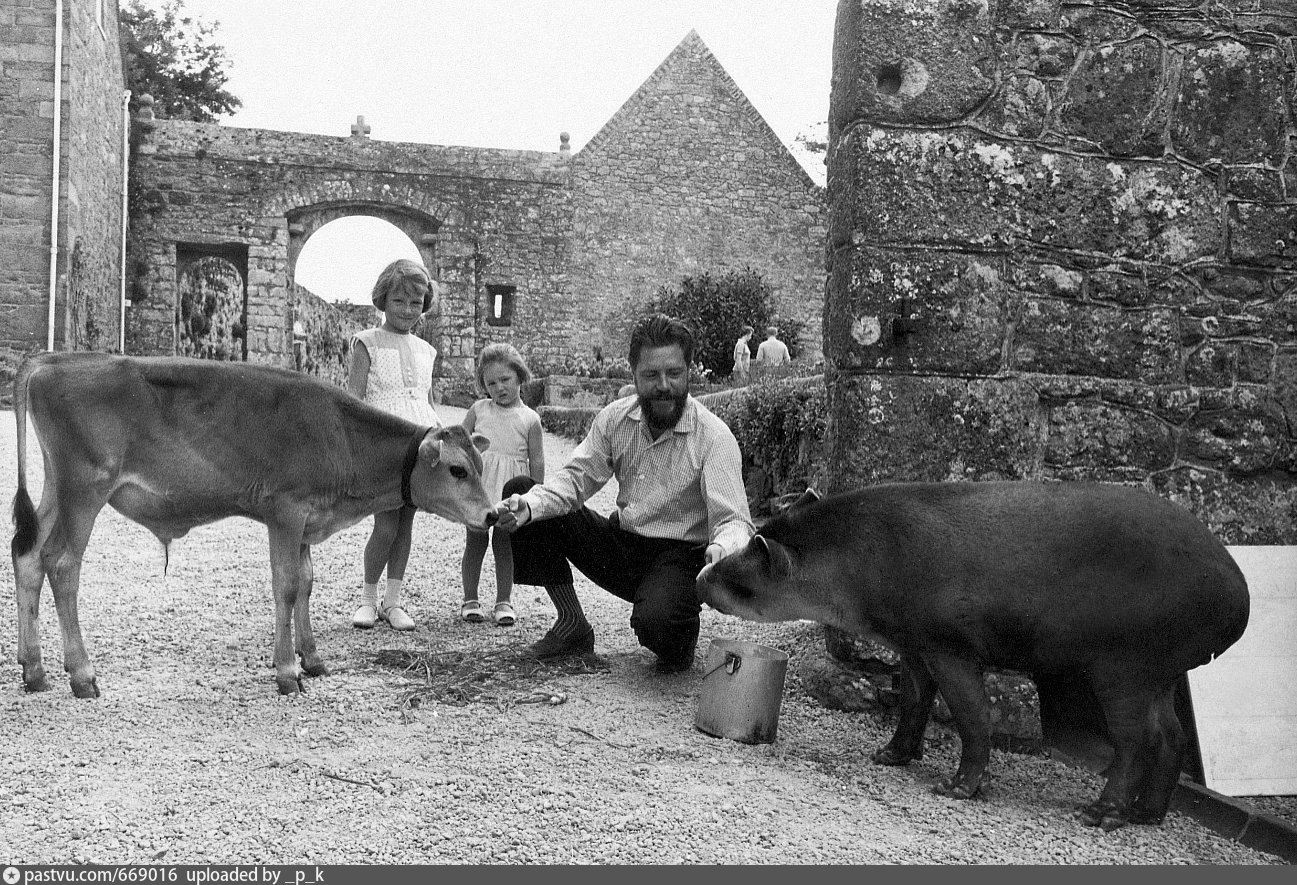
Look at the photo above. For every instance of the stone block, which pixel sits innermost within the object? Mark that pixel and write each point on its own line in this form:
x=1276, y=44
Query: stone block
x=1112, y=100
x=1231, y=106
x=1239, y=510
x=931, y=63
x=1263, y=234
x=953, y=189
x=1056, y=337
x=1106, y=440
x=890, y=428
x=957, y=306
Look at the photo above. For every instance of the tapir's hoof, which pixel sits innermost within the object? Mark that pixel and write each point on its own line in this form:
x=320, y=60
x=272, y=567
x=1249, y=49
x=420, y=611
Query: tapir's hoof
x=318, y=668
x=1105, y=815
x=85, y=688
x=1146, y=816
x=888, y=756
x=951, y=790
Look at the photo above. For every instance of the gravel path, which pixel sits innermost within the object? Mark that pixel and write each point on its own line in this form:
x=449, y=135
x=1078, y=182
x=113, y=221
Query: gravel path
x=190, y=756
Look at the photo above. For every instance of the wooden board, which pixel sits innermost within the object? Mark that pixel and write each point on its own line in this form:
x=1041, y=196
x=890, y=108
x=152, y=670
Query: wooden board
x=1245, y=701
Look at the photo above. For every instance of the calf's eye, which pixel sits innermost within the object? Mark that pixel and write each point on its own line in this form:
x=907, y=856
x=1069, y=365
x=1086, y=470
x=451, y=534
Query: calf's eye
x=458, y=472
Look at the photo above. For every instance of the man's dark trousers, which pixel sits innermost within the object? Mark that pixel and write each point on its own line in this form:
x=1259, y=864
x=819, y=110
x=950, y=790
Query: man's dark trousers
x=655, y=575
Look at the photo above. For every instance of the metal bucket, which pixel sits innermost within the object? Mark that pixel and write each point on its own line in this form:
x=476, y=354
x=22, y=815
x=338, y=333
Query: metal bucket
x=742, y=689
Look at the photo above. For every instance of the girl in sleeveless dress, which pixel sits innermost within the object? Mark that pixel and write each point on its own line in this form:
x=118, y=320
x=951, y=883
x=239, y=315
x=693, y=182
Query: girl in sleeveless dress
x=517, y=449
x=393, y=369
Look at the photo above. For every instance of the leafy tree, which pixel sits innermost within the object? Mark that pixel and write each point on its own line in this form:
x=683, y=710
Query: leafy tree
x=174, y=58
x=718, y=307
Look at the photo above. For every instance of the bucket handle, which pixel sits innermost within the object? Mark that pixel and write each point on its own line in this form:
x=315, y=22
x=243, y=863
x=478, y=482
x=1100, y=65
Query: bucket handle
x=733, y=661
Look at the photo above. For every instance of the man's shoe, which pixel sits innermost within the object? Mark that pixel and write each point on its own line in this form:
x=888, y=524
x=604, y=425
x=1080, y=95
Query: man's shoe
x=677, y=663
x=550, y=647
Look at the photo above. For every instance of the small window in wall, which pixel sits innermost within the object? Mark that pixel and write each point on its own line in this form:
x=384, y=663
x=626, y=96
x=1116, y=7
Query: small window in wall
x=499, y=307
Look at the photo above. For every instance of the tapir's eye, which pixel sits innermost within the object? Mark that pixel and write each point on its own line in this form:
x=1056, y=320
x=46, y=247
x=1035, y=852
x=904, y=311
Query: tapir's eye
x=458, y=472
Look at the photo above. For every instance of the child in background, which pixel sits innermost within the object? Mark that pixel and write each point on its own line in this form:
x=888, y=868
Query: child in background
x=517, y=449
x=393, y=370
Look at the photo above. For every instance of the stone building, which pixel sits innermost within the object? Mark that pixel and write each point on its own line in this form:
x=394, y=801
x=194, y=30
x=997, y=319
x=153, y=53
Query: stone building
x=546, y=250
x=1062, y=245
x=61, y=211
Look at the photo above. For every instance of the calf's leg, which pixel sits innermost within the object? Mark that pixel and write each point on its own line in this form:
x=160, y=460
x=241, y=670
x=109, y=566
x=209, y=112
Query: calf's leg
x=918, y=689
x=61, y=559
x=312, y=663
x=29, y=579
x=285, y=565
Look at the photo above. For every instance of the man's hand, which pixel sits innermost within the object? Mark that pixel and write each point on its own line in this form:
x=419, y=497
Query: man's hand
x=712, y=555
x=513, y=513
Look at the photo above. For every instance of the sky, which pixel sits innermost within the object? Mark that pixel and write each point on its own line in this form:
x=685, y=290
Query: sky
x=509, y=74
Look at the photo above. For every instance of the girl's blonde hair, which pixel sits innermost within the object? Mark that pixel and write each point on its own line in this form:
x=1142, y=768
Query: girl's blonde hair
x=404, y=275
x=502, y=353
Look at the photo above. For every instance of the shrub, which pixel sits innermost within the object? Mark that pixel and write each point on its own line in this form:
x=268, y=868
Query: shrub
x=718, y=306
x=780, y=426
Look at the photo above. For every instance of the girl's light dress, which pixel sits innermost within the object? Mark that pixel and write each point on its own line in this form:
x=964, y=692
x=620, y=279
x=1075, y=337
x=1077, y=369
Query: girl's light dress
x=507, y=428
x=400, y=374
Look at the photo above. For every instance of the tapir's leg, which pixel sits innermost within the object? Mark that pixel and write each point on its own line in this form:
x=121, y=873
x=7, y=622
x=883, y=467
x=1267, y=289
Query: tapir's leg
x=285, y=566
x=61, y=559
x=1126, y=704
x=1166, y=748
x=312, y=664
x=961, y=684
x=918, y=689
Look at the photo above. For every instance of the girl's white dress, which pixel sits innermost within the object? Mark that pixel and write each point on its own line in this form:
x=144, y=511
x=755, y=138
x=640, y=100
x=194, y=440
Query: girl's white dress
x=400, y=374
x=507, y=429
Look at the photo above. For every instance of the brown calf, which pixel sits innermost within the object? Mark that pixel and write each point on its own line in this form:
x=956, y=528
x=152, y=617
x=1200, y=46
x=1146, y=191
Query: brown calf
x=174, y=443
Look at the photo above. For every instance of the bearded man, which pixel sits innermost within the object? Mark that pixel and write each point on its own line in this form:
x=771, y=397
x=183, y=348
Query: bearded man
x=681, y=505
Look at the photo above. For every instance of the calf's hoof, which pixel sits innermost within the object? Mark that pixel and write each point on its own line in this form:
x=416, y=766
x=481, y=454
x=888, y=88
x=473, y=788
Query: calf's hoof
x=291, y=684
x=34, y=679
x=889, y=756
x=315, y=668
x=1104, y=814
x=85, y=688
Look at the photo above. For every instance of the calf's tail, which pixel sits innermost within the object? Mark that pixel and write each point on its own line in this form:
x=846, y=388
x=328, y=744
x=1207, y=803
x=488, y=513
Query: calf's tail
x=26, y=525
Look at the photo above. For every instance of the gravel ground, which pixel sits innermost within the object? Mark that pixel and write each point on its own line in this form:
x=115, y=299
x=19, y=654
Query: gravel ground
x=190, y=756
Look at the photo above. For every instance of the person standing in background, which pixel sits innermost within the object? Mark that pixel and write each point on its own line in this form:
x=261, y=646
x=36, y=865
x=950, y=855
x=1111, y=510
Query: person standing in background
x=742, y=357
x=772, y=353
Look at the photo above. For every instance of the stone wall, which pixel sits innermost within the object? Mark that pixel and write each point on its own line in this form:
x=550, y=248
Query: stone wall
x=255, y=196
x=91, y=169
x=1062, y=245
x=685, y=178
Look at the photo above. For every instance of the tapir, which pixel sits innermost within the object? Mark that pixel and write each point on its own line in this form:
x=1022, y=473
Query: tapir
x=1114, y=583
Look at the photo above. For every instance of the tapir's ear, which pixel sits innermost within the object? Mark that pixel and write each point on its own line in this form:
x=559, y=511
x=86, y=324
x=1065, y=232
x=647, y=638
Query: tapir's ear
x=480, y=442
x=775, y=556
x=810, y=496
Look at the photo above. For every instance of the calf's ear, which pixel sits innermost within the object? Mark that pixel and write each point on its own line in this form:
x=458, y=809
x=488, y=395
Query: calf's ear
x=430, y=448
x=480, y=442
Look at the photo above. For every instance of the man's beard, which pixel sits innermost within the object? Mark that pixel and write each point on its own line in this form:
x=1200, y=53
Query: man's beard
x=655, y=418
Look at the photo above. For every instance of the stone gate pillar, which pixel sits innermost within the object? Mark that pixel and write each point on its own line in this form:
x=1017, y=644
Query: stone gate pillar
x=1062, y=241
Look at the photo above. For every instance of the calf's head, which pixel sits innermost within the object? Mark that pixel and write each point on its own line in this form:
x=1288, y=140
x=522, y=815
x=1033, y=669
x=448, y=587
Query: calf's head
x=447, y=477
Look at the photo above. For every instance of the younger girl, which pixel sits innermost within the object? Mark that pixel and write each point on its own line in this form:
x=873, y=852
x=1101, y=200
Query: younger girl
x=392, y=369
x=517, y=449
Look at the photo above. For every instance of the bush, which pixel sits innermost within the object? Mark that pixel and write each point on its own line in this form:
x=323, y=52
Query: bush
x=780, y=426
x=718, y=307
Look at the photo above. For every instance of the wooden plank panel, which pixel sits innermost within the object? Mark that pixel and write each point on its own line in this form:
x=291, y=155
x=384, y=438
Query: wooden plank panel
x=1245, y=701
